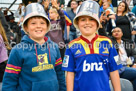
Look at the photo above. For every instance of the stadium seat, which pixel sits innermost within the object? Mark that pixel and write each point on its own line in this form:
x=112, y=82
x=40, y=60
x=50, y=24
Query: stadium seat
x=126, y=85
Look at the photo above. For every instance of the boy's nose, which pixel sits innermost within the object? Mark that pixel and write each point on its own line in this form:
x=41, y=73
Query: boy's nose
x=38, y=25
x=87, y=21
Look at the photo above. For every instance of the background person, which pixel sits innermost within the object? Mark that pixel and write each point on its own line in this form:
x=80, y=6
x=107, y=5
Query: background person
x=127, y=54
x=4, y=47
x=123, y=20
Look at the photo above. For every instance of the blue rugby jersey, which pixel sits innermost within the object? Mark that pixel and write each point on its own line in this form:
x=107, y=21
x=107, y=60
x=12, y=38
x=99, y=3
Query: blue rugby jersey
x=91, y=62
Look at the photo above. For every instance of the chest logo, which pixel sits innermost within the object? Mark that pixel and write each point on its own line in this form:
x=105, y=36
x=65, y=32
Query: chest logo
x=92, y=66
x=42, y=63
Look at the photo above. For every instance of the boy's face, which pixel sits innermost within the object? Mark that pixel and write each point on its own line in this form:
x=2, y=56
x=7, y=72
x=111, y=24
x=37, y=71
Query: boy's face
x=36, y=28
x=105, y=5
x=87, y=25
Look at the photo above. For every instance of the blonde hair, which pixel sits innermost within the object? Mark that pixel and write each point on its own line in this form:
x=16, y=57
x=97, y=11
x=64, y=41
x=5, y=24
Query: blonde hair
x=101, y=3
x=107, y=3
x=3, y=34
x=55, y=11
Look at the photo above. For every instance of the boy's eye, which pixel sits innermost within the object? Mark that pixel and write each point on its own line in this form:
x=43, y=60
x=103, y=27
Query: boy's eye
x=42, y=22
x=91, y=19
x=82, y=19
x=32, y=23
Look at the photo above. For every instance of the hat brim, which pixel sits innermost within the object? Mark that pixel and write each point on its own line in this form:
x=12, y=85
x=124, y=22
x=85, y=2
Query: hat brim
x=36, y=14
x=84, y=13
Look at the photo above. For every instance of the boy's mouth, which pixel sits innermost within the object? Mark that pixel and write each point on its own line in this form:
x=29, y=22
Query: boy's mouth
x=38, y=31
x=87, y=27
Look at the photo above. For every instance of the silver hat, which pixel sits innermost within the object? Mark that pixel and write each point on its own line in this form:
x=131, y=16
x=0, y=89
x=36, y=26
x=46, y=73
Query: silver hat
x=88, y=8
x=35, y=9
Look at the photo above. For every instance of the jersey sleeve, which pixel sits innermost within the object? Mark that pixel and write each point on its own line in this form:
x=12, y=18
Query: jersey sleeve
x=68, y=61
x=114, y=60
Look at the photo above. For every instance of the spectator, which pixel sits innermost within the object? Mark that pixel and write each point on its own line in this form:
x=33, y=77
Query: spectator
x=19, y=13
x=123, y=20
x=101, y=6
x=104, y=18
x=6, y=14
x=4, y=46
x=37, y=66
x=68, y=23
x=127, y=54
x=108, y=11
x=56, y=32
x=72, y=14
x=9, y=34
x=15, y=29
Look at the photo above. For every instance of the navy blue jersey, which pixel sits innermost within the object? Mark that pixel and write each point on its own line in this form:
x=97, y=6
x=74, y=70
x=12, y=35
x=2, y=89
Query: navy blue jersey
x=91, y=62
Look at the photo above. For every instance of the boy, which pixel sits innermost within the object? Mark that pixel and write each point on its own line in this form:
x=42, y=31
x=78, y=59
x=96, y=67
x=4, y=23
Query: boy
x=90, y=59
x=108, y=11
x=32, y=66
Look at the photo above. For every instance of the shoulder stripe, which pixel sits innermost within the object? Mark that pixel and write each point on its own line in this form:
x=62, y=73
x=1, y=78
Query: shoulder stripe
x=68, y=19
x=73, y=42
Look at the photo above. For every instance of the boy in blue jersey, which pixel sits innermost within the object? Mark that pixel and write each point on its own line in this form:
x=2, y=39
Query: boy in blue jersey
x=90, y=59
x=35, y=63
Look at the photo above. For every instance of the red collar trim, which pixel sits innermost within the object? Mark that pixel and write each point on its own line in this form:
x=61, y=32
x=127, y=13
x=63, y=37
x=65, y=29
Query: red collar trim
x=87, y=41
x=45, y=38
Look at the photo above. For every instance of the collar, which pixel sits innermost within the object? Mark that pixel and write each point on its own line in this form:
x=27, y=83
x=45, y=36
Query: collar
x=87, y=41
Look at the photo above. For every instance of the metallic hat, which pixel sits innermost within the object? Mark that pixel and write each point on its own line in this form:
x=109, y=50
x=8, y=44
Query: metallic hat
x=88, y=8
x=35, y=9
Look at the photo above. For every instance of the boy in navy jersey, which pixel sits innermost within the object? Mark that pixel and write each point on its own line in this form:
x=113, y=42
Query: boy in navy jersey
x=90, y=59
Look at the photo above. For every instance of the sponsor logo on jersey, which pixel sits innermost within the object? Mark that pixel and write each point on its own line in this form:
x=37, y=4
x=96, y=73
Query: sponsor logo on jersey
x=92, y=66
